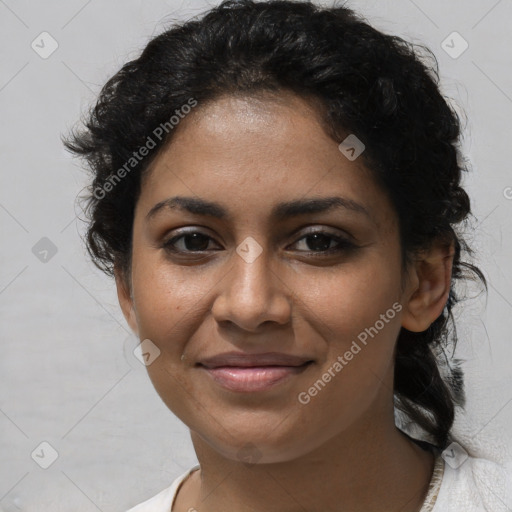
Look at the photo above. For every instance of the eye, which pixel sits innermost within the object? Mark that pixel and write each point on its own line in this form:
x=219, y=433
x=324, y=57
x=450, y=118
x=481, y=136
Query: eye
x=192, y=241
x=320, y=243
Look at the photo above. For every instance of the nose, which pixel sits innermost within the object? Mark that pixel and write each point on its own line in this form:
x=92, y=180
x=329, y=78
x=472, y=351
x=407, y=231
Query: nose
x=252, y=293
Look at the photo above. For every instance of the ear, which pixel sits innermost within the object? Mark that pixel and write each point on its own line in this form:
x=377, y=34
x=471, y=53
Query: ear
x=125, y=299
x=428, y=287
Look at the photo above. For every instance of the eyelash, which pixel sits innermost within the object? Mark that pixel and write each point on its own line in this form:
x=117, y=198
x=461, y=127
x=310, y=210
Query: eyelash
x=343, y=244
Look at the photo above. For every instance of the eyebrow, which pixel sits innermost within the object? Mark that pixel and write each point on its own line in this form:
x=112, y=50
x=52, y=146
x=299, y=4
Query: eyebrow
x=281, y=211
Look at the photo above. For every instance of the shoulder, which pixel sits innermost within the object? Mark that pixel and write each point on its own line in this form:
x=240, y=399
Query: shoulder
x=474, y=485
x=163, y=501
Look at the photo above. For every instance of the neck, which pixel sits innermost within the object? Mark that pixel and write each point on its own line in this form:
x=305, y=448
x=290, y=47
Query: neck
x=374, y=469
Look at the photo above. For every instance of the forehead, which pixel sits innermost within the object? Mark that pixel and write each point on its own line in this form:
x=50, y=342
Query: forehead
x=247, y=133
x=255, y=152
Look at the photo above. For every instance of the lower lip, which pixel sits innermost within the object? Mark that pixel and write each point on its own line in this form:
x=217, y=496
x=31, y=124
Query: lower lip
x=250, y=380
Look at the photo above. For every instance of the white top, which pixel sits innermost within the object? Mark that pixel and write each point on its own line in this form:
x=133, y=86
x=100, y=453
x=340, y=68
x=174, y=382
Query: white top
x=477, y=485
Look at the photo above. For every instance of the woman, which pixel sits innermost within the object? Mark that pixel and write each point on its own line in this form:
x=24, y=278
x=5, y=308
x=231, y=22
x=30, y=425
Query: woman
x=277, y=192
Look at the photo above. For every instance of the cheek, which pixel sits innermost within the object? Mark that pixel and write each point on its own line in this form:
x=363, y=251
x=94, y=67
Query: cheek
x=353, y=299
x=167, y=307
x=358, y=316
x=165, y=300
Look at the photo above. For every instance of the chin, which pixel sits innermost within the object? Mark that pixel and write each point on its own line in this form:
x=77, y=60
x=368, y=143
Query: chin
x=257, y=445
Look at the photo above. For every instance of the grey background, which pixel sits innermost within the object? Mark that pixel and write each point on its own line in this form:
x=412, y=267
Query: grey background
x=68, y=374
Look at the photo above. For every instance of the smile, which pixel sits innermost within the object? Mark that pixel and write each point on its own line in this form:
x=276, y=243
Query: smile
x=253, y=379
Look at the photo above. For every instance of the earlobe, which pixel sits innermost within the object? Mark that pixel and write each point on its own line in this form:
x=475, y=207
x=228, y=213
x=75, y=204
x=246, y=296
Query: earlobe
x=429, y=288
x=125, y=299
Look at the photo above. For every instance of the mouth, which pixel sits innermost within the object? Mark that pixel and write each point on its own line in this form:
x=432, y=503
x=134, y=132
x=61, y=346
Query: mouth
x=251, y=379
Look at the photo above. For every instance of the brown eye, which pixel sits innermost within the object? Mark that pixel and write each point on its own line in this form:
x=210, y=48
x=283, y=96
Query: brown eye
x=192, y=241
x=323, y=243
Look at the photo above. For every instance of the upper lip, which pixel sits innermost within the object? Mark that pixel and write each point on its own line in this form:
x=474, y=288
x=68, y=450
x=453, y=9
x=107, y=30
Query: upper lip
x=247, y=360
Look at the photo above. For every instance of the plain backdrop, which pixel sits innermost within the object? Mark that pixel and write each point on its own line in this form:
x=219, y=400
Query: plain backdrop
x=68, y=374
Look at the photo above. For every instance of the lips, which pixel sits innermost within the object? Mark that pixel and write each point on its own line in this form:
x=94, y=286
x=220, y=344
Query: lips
x=249, y=373
x=240, y=359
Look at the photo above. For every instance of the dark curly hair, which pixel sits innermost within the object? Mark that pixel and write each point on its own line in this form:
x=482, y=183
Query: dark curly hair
x=363, y=81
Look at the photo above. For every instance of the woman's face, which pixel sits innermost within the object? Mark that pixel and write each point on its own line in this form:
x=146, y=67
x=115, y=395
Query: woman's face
x=256, y=280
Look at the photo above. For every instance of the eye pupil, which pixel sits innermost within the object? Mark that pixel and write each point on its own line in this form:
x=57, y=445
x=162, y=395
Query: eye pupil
x=317, y=244
x=196, y=242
